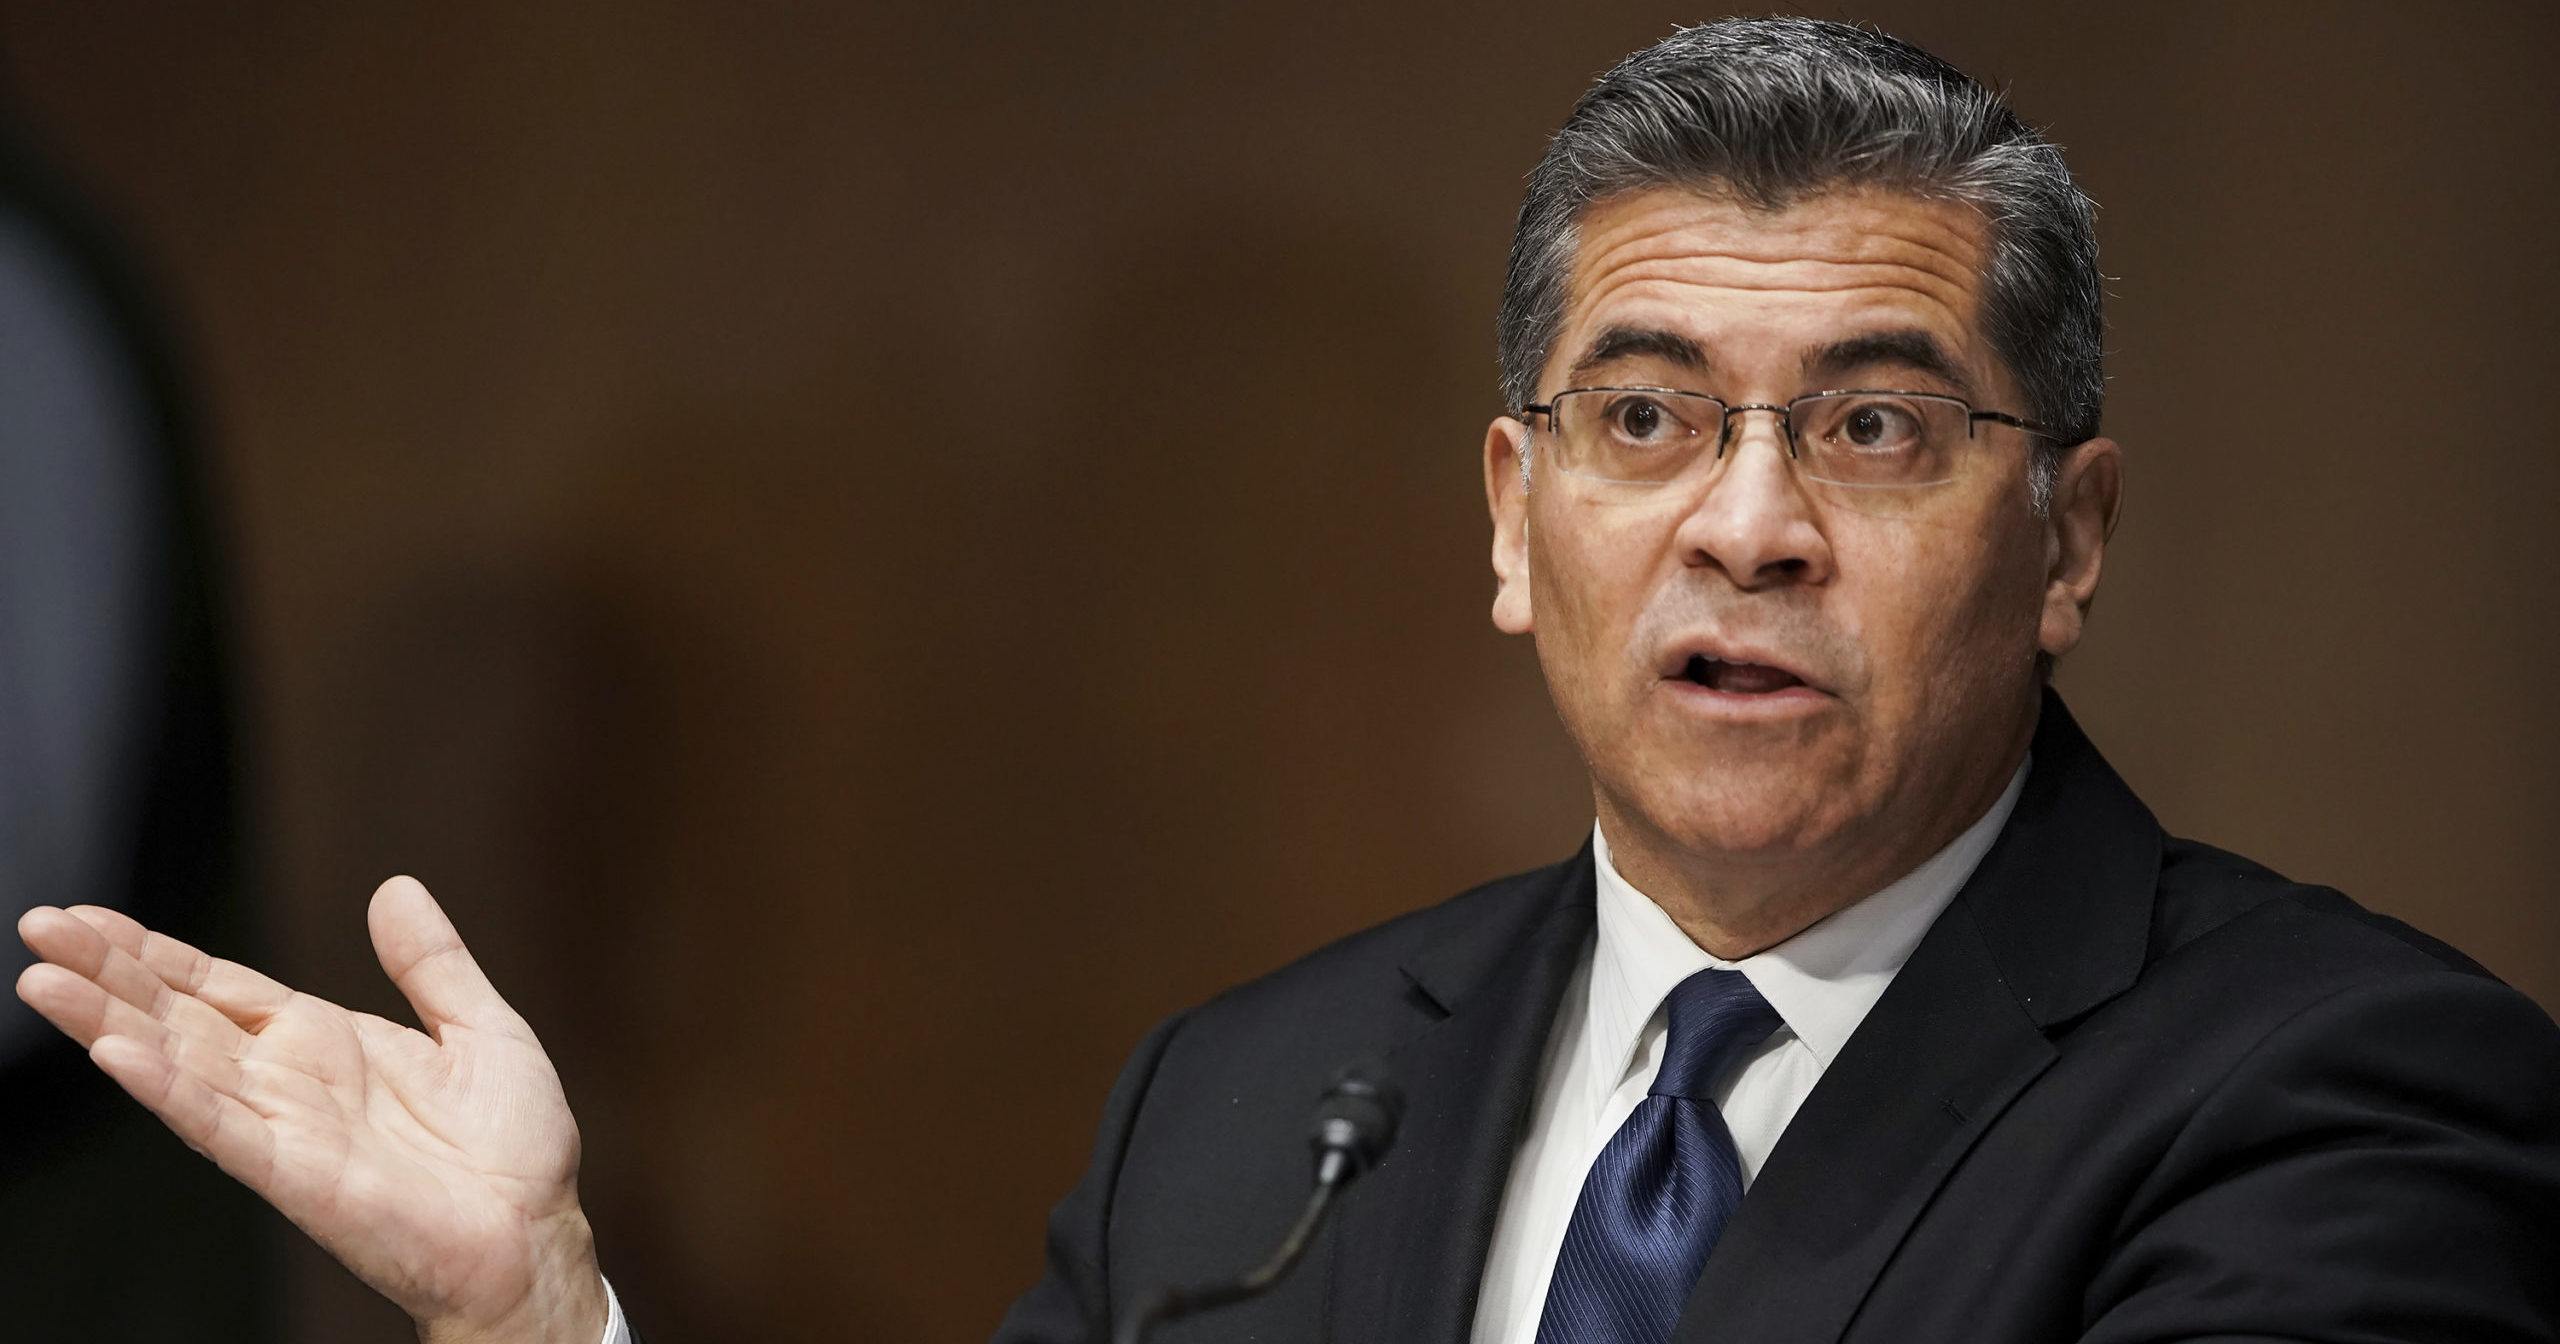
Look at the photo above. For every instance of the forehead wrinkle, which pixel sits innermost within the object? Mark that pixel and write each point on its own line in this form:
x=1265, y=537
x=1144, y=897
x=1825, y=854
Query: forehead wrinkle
x=1867, y=291
x=1950, y=287
x=1954, y=264
x=1835, y=243
x=1864, y=219
x=1872, y=307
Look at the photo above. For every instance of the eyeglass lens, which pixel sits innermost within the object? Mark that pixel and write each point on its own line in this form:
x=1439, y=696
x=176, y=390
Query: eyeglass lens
x=1877, y=440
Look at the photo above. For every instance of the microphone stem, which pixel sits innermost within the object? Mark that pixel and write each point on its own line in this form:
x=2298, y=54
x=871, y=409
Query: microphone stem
x=1172, y=1304
x=1285, y=1257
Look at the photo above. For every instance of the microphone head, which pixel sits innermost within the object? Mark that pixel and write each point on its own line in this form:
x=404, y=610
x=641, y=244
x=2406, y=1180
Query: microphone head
x=1356, y=1121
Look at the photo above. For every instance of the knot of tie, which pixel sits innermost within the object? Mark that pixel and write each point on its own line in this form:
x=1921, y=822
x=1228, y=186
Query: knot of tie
x=1716, y=1018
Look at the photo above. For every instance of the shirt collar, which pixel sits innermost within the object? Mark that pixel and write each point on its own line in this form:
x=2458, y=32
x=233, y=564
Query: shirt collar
x=1822, y=981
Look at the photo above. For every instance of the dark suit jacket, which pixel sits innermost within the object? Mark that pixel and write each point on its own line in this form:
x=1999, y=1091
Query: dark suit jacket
x=2128, y=1088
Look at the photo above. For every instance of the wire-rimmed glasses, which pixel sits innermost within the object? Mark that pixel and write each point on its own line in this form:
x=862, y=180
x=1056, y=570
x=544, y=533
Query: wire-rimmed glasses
x=1856, y=437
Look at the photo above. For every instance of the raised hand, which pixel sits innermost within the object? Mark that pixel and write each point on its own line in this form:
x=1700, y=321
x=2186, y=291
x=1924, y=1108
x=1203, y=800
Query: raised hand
x=440, y=1166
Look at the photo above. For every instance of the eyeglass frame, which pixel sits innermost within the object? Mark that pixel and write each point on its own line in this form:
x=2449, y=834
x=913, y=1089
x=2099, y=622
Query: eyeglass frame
x=1786, y=413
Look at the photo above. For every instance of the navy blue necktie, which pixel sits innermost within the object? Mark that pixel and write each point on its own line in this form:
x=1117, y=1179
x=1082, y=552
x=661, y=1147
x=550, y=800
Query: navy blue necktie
x=1661, y=1192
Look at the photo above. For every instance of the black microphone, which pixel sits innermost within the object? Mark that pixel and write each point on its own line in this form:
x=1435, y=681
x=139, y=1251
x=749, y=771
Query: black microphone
x=1354, y=1124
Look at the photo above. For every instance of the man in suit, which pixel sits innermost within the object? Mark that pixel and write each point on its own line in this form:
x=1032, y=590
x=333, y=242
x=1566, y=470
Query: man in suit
x=1877, y=1008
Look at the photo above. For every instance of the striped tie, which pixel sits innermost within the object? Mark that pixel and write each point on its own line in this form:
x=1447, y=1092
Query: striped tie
x=1661, y=1192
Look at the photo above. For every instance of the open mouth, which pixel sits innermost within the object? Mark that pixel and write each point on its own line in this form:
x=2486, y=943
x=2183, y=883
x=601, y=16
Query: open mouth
x=1732, y=678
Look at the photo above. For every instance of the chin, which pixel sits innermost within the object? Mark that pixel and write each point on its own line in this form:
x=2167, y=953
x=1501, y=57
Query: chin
x=1742, y=814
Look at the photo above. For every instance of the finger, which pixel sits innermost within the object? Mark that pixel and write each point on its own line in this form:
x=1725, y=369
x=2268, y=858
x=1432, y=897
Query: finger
x=425, y=957
x=211, y=1040
x=75, y=945
x=99, y=956
x=88, y=1014
x=55, y=935
x=217, y=1125
x=237, y=992
x=115, y=926
x=82, y=1010
x=73, y=940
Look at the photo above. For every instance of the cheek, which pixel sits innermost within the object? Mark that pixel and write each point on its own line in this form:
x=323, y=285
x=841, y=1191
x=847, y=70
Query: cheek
x=1589, y=578
x=1934, y=609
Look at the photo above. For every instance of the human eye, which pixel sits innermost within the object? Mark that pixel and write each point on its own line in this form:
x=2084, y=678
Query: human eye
x=1879, y=438
x=1876, y=426
x=1632, y=435
x=1644, y=419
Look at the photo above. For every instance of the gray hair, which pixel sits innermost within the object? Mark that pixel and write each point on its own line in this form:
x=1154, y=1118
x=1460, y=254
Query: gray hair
x=1771, y=111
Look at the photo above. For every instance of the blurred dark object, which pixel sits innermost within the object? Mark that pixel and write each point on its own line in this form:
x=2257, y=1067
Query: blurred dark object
x=115, y=783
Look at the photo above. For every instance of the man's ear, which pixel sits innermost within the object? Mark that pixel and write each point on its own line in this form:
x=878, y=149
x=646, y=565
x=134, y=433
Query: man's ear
x=2088, y=492
x=1506, y=496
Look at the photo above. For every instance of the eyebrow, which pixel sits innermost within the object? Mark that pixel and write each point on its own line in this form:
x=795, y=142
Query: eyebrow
x=1909, y=347
x=1619, y=343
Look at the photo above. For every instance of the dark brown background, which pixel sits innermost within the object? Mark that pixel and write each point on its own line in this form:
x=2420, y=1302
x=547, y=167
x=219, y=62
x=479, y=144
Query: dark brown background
x=869, y=552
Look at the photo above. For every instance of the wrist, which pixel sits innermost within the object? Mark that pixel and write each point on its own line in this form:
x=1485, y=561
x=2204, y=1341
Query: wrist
x=565, y=1303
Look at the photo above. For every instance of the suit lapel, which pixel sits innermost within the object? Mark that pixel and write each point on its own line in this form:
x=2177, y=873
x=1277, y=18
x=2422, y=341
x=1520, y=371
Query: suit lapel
x=2053, y=923
x=1411, y=1253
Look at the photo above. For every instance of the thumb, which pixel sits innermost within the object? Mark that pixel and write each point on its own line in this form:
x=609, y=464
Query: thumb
x=425, y=958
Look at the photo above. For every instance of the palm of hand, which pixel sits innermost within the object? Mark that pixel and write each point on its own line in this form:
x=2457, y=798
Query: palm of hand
x=420, y=1163
x=440, y=1168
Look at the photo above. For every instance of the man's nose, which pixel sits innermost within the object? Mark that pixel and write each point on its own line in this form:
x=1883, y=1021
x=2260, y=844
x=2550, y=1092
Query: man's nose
x=1753, y=520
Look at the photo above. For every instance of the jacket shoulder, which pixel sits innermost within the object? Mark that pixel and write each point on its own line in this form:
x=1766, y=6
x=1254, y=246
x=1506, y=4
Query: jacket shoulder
x=2209, y=896
x=1202, y=1154
x=2304, y=1063
x=1374, y=961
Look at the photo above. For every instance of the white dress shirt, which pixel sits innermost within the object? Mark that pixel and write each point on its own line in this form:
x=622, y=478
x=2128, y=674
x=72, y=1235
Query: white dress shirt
x=1609, y=1033
x=615, y=1330
x=1610, y=1030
